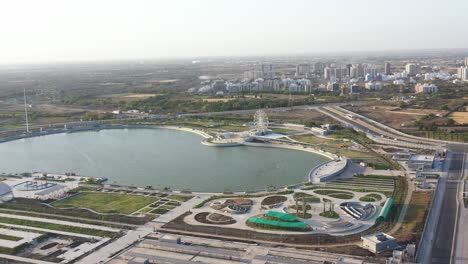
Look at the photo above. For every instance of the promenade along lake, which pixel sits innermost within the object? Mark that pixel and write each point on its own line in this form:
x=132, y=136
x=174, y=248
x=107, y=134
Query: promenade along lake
x=160, y=158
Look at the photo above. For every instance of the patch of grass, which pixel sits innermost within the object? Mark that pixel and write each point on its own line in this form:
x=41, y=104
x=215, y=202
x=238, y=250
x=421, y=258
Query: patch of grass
x=275, y=199
x=373, y=197
x=145, y=210
x=343, y=196
x=309, y=139
x=330, y=214
x=32, y=207
x=366, y=199
x=301, y=215
x=180, y=198
x=106, y=202
x=413, y=224
x=87, y=188
x=329, y=191
x=166, y=207
x=300, y=207
x=283, y=131
x=308, y=198
x=159, y=211
x=157, y=204
x=11, y=238
x=173, y=203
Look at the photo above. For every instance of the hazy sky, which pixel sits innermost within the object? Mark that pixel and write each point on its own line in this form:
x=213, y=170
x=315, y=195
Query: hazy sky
x=63, y=30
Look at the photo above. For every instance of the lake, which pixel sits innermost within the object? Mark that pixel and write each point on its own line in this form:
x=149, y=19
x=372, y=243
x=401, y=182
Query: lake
x=160, y=158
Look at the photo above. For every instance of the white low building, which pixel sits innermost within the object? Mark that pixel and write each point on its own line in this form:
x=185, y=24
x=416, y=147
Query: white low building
x=379, y=242
x=418, y=161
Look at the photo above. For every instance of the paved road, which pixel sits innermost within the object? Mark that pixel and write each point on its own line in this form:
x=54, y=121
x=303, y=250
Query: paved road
x=444, y=233
x=461, y=249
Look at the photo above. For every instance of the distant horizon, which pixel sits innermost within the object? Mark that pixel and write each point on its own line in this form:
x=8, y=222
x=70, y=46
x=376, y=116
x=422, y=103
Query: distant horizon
x=114, y=30
x=371, y=53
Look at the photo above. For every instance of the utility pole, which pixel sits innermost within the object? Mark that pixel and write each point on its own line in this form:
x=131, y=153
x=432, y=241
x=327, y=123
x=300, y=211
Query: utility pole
x=26, y=110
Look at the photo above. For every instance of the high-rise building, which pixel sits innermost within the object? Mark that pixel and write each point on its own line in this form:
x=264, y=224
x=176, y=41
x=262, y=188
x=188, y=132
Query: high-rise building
x=353, y=72
x=327, y=73
x=302, y=69
x=348, y=67
x=360, y=70
x=318, y=67
x=463, y=73
x=341, y=72
x=387, y=68
x=425, y=88
x=413, y=69
x=267, y=70
x=466, y=61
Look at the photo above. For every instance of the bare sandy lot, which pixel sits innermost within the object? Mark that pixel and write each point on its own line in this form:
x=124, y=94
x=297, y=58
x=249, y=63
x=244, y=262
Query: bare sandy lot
x=459, y=117
x=393, y=116
x=214, y=100
x=129, y=96
x=163, y=81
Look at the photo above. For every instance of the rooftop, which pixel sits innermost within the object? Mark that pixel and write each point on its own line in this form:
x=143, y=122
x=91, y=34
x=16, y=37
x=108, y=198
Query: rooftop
x=378, y=237
x=419, y=157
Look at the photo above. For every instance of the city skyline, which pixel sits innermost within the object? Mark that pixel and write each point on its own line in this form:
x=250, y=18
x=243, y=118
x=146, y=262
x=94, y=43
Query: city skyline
x=55, y=31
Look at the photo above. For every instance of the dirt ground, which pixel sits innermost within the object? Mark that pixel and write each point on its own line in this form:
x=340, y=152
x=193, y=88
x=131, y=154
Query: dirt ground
x=460, y=117
x=413, y=223
x=211, y=100
x=402, y=119
x=294, y=116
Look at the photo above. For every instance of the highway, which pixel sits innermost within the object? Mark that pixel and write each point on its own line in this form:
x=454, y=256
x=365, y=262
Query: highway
x=443, y=230
x=378, y=132
x=460, y=256
x=442, y=245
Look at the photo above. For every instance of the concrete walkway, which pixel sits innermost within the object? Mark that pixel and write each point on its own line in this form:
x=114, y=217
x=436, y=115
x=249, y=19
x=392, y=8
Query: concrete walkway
x=103, y=254
x=409, y=194
x=184, y=207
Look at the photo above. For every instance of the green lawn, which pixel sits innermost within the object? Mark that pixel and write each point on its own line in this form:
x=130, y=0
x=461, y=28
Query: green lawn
x=311, y=139
x=8, y=237
x=180, y=198
x=107, y=202
x=330, y=214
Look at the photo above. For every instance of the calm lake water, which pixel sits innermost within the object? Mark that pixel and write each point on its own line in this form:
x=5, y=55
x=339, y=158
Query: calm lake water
x=158, y=157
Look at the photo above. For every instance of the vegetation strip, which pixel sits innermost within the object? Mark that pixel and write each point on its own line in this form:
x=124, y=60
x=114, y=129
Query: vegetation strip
x=57, y=227
x=11, y=238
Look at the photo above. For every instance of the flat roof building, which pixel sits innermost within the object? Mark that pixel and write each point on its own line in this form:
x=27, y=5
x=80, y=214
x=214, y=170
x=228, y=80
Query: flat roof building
x=379, y=242
x=418, y=161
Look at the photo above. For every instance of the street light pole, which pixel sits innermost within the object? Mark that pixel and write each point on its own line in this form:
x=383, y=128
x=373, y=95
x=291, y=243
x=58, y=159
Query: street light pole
x=26, y=110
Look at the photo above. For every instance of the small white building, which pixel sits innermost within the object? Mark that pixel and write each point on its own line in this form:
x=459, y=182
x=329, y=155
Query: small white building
x=379, y=242
x=418, y=161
